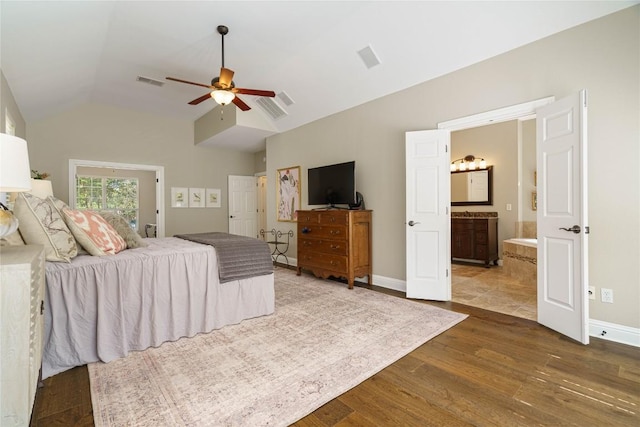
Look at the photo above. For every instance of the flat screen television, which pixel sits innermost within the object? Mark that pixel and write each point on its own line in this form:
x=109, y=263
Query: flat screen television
x=332, y=185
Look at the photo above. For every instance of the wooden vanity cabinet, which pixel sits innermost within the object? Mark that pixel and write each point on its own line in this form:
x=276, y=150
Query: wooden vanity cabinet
x=475, y=239
x=335, y=243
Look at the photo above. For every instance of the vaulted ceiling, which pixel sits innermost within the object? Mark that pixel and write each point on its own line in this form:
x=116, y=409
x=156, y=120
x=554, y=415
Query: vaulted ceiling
x=57, y=55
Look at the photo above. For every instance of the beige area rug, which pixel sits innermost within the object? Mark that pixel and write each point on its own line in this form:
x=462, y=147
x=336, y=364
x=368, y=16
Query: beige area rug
x=322, y=340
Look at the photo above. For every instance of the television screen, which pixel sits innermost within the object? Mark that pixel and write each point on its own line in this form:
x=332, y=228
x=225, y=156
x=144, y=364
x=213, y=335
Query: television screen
x=332, y=185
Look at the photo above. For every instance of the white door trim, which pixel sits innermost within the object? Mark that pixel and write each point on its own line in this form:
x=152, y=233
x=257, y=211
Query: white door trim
x=513, y=112
x=159, y=170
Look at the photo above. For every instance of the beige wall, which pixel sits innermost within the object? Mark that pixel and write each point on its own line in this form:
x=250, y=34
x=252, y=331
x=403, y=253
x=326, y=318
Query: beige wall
x=602, y=56
x=101, y=133
x=8, y=104
x=528, y=168
x=498, y=145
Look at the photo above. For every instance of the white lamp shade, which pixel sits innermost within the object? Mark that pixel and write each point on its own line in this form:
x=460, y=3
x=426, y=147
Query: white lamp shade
x=41, y=188
x=223, y=97
x=15, y=173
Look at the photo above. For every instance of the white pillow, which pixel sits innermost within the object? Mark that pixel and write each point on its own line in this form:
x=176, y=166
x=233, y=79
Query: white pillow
x=41, y=224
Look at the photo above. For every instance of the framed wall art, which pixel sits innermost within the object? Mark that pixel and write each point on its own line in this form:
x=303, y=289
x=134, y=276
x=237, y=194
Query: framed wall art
x=288, y=192
x=213, y=198
x=196, y=198
x=179, y=197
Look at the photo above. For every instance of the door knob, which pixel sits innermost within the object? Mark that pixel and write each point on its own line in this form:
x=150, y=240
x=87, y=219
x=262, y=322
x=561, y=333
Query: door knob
x=412, y=223
x=575, y=229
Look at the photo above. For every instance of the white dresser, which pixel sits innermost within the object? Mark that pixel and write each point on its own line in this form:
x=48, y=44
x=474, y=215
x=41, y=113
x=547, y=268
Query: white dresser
x=21, y=329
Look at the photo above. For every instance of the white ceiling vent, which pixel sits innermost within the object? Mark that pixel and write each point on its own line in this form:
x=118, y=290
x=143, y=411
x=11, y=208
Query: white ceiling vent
x=271, y=107
x=284, y=97
x=369, y=57
x=150, y=81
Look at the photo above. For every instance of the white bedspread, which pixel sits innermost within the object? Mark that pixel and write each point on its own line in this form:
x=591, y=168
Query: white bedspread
x=102, y=308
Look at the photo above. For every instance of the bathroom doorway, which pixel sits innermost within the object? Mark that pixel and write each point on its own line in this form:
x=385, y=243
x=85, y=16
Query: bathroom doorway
x=506, y=140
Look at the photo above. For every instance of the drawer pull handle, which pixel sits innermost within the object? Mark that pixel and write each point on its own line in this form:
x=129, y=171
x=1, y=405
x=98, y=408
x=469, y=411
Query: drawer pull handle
x=334, y=232
x=335, y=246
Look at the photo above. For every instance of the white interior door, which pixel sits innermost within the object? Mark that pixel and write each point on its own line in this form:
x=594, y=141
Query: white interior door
x=428, y=225
x=562, y=217
x=243, y=216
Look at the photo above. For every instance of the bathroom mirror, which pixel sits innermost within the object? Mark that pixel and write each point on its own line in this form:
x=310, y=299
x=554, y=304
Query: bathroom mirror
x=474, y=187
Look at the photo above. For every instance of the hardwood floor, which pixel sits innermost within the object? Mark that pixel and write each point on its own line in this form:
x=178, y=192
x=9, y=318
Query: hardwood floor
x=491, y=369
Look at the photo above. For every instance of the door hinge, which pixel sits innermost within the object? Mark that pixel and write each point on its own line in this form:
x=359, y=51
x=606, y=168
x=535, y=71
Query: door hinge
x=157, y=180
x=586, y=230
x=447, y=272
x=446, y=210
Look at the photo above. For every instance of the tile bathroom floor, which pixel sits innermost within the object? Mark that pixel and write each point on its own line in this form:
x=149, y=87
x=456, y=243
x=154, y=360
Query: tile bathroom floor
x=492, y=289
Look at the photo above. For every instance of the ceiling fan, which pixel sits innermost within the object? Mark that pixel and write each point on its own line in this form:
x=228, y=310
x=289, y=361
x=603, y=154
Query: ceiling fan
x=223, y=89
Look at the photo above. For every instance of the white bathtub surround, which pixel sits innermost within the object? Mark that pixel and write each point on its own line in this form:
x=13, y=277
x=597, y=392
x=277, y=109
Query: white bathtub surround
x=520, y=259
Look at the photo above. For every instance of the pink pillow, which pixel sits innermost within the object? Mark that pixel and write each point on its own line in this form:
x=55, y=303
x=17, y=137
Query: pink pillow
x=95, y=234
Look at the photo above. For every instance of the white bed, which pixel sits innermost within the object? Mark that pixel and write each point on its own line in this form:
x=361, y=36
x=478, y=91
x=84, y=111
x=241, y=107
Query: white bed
x=102, y=308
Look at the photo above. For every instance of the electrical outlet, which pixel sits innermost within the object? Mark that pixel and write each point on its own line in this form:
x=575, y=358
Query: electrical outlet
x=606, y=295
x=508, y=206
x=592, y=292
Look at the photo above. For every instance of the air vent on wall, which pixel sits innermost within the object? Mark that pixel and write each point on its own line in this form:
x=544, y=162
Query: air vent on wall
x=271, y=108
x=150, y=81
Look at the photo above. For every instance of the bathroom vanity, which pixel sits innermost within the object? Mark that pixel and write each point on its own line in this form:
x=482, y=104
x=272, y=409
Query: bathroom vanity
x=474, y=236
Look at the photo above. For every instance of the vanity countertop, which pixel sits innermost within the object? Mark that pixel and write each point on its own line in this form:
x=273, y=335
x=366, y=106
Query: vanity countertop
x=473, y=215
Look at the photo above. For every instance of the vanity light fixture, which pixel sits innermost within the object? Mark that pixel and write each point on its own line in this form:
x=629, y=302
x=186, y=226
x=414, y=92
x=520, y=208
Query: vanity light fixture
x=468, y=162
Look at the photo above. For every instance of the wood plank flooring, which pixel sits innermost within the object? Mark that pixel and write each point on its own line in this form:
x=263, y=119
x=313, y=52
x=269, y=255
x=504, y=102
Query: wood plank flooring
x=491, y=369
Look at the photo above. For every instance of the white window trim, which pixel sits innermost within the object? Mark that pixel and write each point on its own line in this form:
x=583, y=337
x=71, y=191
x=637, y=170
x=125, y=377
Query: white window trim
x=159, y=170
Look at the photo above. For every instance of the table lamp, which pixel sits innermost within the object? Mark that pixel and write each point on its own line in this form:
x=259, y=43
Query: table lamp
x=15, y=176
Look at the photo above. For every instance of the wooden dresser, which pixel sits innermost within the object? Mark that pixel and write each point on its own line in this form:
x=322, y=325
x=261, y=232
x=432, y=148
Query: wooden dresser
x=21, y=329
x=475, y=239
x=335, y=243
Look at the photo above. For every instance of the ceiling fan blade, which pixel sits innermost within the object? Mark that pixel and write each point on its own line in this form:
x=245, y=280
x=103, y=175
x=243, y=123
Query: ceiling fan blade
x=201, y=99
x=190, y=83
x=241, y=104
x=256, y=92
x=226, y=77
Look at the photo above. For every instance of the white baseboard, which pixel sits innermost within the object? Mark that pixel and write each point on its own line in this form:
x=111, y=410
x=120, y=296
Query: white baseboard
x=390, y=283
x=614, y=332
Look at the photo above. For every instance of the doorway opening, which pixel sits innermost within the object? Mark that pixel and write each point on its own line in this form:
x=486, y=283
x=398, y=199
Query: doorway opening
x=152, y=195
x=496, y=288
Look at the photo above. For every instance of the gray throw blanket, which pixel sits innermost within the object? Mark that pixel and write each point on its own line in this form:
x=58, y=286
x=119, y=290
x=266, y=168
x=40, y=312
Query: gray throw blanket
x=239, y=257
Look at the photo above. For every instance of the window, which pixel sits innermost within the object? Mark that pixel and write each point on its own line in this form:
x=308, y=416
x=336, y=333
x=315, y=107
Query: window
x=119, y=195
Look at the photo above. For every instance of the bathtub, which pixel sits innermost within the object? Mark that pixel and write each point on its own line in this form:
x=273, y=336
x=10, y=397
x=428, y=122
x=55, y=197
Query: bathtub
x=527, y=242
x=520, y=259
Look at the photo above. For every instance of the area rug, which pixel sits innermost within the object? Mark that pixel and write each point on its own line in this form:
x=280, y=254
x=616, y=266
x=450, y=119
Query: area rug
x=322, y=340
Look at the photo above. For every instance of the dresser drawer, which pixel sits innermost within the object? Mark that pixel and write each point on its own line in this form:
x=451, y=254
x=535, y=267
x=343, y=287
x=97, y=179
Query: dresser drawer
x=333, y=217
x=322, y=260
x=336, y=247
x=308, y=218
x=324, y=231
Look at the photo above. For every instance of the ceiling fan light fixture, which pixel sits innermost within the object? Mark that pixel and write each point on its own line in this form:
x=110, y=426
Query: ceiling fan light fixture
x=223, y=97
